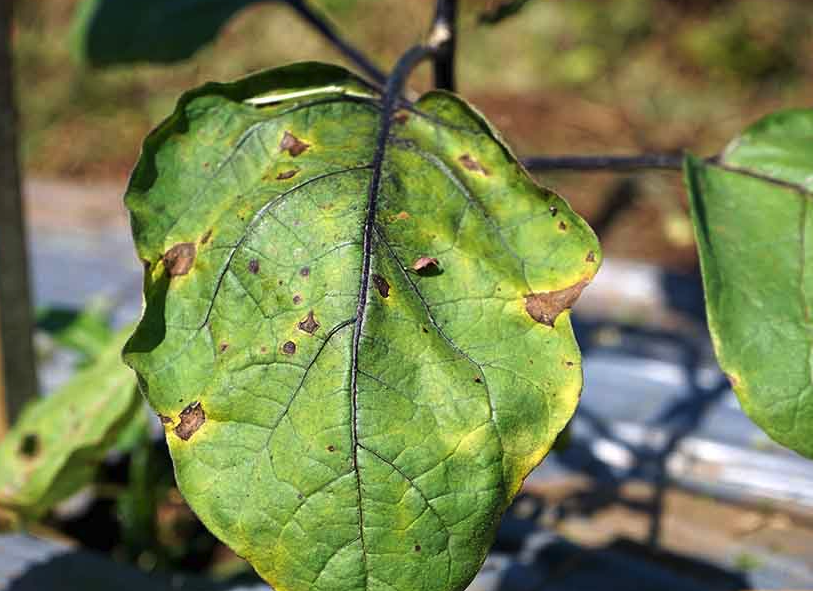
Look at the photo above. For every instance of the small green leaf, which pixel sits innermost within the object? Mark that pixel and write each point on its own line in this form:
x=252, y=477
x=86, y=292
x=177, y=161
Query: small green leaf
x=56, y=445
x=108, y=32
x=753, y=220
x=354, y=382
x=85, y=331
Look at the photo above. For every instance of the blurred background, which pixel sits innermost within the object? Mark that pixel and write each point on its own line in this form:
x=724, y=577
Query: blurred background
x=662, y=482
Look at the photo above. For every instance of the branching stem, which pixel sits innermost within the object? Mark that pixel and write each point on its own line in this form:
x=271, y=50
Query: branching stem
x=673, y=161
x=320, y=23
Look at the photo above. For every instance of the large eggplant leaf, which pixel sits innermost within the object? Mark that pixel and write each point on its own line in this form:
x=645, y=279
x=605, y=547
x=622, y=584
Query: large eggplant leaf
x=346, y=413
x=57, y=444
x=753, y=220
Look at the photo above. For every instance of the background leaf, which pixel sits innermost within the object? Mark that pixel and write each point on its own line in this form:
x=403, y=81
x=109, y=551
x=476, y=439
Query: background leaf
x=108, y=32
x=753, y=221
x=349, y=416
x=56, y=445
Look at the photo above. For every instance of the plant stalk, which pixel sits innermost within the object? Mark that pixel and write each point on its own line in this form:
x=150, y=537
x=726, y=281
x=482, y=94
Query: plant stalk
x=672, y=161
x=18, y=380
x=320, y=23
x=445, y=18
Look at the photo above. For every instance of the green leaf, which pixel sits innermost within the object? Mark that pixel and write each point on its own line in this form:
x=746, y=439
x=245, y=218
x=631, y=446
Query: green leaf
x=753, y=220
x=107, y=32
x=56, y=445
x=348, y=414
x=85, y=331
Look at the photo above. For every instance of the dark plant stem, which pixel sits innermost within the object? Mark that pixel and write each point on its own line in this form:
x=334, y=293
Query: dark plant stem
x=445, y=18
x=598, y=163
x=320, y=23
x=18, y=380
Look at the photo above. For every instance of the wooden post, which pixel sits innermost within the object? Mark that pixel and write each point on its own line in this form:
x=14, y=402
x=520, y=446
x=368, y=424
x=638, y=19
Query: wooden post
x=19, y=380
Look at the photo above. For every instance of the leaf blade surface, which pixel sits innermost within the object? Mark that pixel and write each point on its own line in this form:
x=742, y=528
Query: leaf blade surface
x=752, y=218
x=341, y=439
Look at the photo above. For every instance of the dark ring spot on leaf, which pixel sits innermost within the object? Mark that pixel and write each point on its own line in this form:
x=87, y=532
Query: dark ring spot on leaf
x=381, y=285
x=331, y=448
x=30, y=446
x=190, y=420
x=292, y=144
x=553, y=211
x=178, y=259
x=309, y=324
x=284, y=176
x=297, y=299
x=417, y=548
x=562, y=226
x=428, y=266
x=263, y=350
x=254, y=266
x=305, y=271
x=591, y=257
x=470, y=163
x=545, y=307
x=289, y=348
x=478, y=380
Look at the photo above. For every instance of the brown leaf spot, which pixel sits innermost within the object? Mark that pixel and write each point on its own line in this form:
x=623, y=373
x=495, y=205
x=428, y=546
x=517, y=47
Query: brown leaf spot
x=733, y=380
x=223, y=347
x=293, y=144
x=562, y=226
x=591, y=257
x=297, y=299
x=254, y=266
x=425, y=263
x=569, y=363
x=178, y=259
x=305, y=271
x=289, y=348
x=470, y=163
x=545, y=307
x=190, y=420
x=331, y=448
x=478, y=380
x=284, y=176
x=417, y=547
x=263, y=350
x=381, y=285
x=401, y=117
x=309, y=324
x=29, y=446
x=205, y=238
x=402, y=215
x=165, y=420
